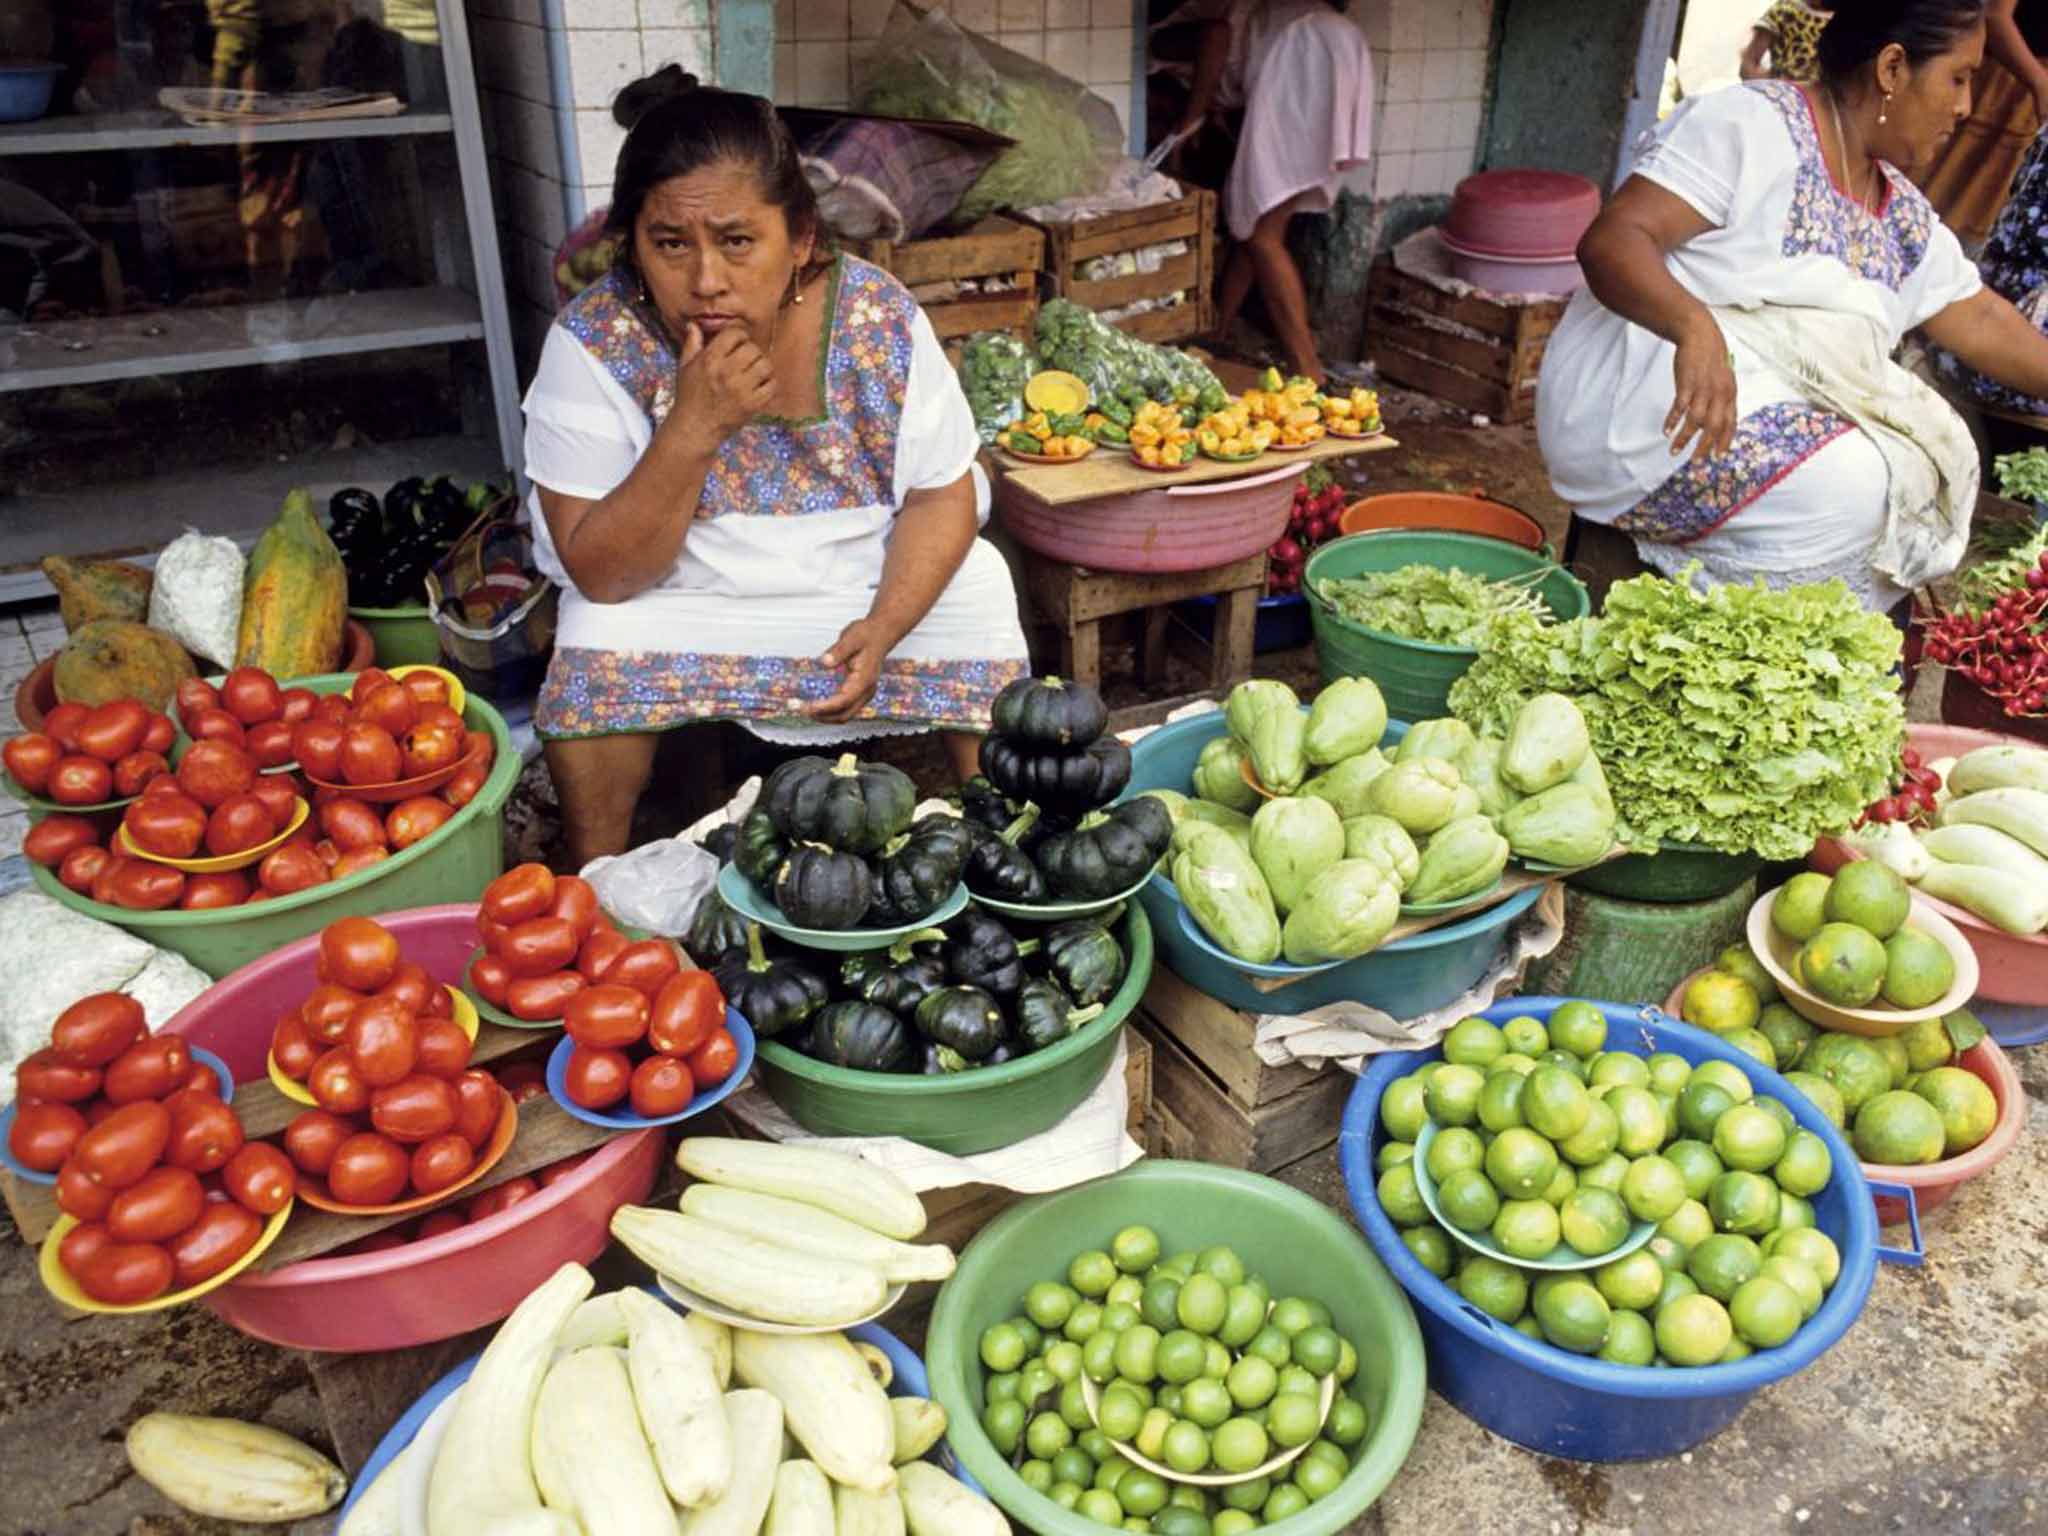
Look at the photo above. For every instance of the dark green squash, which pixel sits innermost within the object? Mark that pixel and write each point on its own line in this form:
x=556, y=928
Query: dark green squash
x=965, y=1019
x=897, y=978
x=1109, y=852
x=1084, y=958
x=716, y=931
x=985, y=807
x=1065, y=780
x=849, y=805
x=942, y=1060
x=981, y=952
x=776, y=997
x=719, y=840
x=758, y=849
x=822, y=888
x=918, y=871
x=1049, y=712
x=1046, y=1014
x=998, y=867
x=864, y=1037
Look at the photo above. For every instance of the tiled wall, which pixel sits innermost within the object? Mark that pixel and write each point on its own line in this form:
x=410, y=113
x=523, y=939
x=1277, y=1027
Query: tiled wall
x=1432, y=58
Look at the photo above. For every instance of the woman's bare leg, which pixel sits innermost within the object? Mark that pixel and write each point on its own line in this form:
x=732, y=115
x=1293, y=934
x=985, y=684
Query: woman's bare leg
x=599, y=780
x=964, y=748
x=1235, y=288
x=1286, y=297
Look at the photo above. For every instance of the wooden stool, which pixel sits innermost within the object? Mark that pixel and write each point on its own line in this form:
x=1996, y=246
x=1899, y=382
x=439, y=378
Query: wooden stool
x=1077, y=600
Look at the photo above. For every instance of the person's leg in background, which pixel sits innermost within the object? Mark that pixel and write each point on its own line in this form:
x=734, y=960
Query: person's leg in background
x=964, y=748
x=1286, y=296
x=599, y=780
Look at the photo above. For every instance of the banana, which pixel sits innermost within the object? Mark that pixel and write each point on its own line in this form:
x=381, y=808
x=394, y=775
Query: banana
x=232, y=1470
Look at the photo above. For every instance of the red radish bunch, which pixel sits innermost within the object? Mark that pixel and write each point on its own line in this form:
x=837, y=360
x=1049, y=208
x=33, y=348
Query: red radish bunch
x=1912, y=801
x=1311, y=520
x=2003, y=650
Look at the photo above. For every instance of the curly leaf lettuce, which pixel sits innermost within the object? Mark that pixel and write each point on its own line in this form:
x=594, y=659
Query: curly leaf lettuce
x=1740, y=718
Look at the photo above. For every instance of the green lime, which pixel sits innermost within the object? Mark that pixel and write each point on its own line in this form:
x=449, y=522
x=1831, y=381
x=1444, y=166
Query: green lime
x=1778, y=1110
x=1899, y=1128
x=1855, y=1066
x=1573, y=1315
x=1694, y=1330
x=1696, y=1162
x=1667, y=1251
x=1316, y=1477
x=1555, y=1103
x=1244, y=1314
x=1566, y=1181
x=1151, y=1437
x=1578, y=1027
x=1124, y=1291
x=1599, y=1135
x=1800, y=907
x=1721, y=1264
x=1474, y=1043
x=1755, y=1044
x=1135, y=1249
x=1638, y=1117
x=1180, y=1356
x=1400, y=1198
x=1294, y=1418
x=1252, y=1382
x=1618, y=1069
x=1092, y=1273
x=1049, y=1304
x=1965, y=1103
x=1206, y=1401
x=1204, y=1302
x=1083, y=1322
x=1048, y=1435
x=1526, y=1035
x=1101, y=1506
x=1727, y=1075
x=1794, y=1211
x=1168, y=1398
x=1119, y=1316
x=1035, y=1382
x=1813, y=1248
x=1870, y=894
x=1316, y=1350
x=1452, y=1094
x=1564, y=1061
x=1246, y=1497
x=1653, y=1187
x=1032, y=1335
x=1500, y=1101
x=1499, y=1290
x=1798, y=1277
x=1788, y=1033
x=1222, y=1264
x=1453, y=1149
x=1527, y=1229
x=1630, y=1340
x=1118, y=1414
x=1001, y=1386
x=1676, y=1284
x=1066, y=1495
x=1691, y=1224
x=1157, y=1305
x=1606, y=1174
x=1216, y=1359
x=1287, y=1502
x=1004, y=1423
x=1002, y=1348
x=1765, y=1312
x=1348, y=1421
x=1593, y=1221
x=1137, y=1353
x=1744, y=1202
x=1431, y=1248
x=1631, y=1282
x=1668, y=1072
x=1347, y=1359
x=1037, y=1475
x=1232, y=1522
x=1700, y=1105
x=1293, y=1379
x=1515, y=1062
x=1739, y=959
x=1328, y=1452
x=1098, y=1355
x=1064, y=1360
x=1294, y=1314
x=1748, y=1138
x=1141, y=1493
x=1527, y=1326
x=1805, y=1166
x=1521, y=1165
x=1720, y=1003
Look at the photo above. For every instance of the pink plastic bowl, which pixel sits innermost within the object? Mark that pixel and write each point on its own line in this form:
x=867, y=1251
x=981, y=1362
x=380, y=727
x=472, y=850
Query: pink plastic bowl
x=2014, y=966
x=424, y=1290
x=1521, y=213
x=1173, y=528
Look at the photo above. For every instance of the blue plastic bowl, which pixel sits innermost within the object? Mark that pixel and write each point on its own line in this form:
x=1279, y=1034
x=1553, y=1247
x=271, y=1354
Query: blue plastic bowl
x=1575, y=1406
x=624, y=1119
x=25, y=90
x=1407, y=977
x=1282, y=624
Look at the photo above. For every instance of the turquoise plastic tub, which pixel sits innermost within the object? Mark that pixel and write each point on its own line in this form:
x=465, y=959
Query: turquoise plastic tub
x=1407, y=977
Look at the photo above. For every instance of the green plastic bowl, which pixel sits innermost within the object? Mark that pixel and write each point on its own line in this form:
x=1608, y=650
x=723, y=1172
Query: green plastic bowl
x=1415, y=676
x=962, y=1112
x=1298, y=1244
x=455, y=864
x=404, y=636
x=1675, y=872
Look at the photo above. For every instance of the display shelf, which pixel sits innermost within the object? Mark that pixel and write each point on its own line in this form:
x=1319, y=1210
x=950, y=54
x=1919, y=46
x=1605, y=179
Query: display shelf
x=154, y=128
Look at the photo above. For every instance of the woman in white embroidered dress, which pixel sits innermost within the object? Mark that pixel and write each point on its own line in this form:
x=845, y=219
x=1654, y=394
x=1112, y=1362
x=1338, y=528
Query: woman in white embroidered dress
x=1723, y=389
x=755, y=479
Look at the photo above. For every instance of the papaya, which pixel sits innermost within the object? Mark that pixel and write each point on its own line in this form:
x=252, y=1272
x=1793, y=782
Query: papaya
x=88, y=590
x=294, y=596
x=112, y=659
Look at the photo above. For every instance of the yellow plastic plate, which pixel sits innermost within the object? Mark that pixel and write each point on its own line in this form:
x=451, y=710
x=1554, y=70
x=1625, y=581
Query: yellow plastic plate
x=465, y=1016
x=314, y=1191
x=58, y=1282
x=221, y=863
x=1056, y=393
x=458, y=696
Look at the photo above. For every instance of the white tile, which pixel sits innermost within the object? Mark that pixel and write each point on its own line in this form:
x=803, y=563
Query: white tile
x=42, y=619
x=1066, y=15
x=1475, y=23
x=869, y=18
x=1471, y=78
x=688, y=46
x=1464, y=118
x=674, y=13
x=597, y=147
x=1448, y=168
x=1067, y=52
x=601, y=64
x=596, y=15
x=820, y=21
x=1440, y=25
x=860, y=55
x=1374, y=18
x=1403, y=78
x=1392, y=180
x=15, y=655
x=1406, y=26
x=1109, y=54
x=976, y=16
x=1111, y=13
x=785, y=74
x=821, y=74
x=1020, y=15
x=1439, y=76
x=1030, y=44
x=785, y=20
x=1399, y=121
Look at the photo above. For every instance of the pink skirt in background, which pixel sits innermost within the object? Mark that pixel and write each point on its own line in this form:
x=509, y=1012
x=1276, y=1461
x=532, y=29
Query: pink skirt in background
x=1307, y=120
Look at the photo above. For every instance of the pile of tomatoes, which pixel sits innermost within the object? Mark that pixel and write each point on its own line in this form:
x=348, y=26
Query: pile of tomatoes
x=399, y=1108
x=387, y=730
x=149, y=1161
x=656, y=1051
x=452, y=1218
x=87, y=756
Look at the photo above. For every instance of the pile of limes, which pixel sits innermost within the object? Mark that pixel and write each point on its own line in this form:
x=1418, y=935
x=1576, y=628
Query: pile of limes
x=1855, y=946
x=1574, y=1141
x=1200, y=1370
x=1902, y=1099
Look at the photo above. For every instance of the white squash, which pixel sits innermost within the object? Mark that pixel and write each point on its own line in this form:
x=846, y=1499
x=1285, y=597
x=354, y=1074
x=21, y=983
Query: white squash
x=681, y=1407
x=756, y=1420
x=832, y=1181
x=587, y=1428
x=834, y=1408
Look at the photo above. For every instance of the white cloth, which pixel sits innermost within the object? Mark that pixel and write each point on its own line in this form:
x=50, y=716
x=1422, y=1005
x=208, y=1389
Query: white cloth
x=1305, y=77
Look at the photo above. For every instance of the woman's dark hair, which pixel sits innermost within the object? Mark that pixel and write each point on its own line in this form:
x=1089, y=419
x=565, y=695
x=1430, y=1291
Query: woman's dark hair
x=675, y=126
x=1862, y=29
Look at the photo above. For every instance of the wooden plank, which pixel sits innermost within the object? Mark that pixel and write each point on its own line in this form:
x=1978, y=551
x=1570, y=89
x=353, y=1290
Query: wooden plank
x=1220, y=1037
x=1113, y=474
x=1441, y=380
x=1389, y=284
x=991, y=247
x=1137, y=1078
x=1002, y=312
x=1175, y=276
x=1103, y=594
x=1163, y=327
x=1185, y=222
x=1272, y=1136
x=1490, y=360
x=1235, y=637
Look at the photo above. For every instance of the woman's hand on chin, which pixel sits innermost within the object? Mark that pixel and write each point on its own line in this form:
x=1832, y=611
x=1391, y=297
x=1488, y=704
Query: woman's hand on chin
x=721, y=384
x=858, y=652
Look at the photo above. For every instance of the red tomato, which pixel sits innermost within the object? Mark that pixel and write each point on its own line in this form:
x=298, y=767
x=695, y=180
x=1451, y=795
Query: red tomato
x=294, y=867
x=441, y=714
x=555, y=1172
x=502, y=1198
x=712, y=1062
x=151, y=1068
x=440, y=1004
x=535, y=998
x=134, y=773
x=411, y=985
x=604, y=945
x=114, y=730
x=200, y=1079
x=169, y=825
x=384, y=1040
x=160, y=735
x=221, y=1235
x=440, y=1161
x=606, y=1017
x=427, y=688
x=140, y=886
x=279, y=793
x=687, y=1010
x=352, y=825
x=336, y=1085
x=523, y=1080
x=47, y=1076
x=156, y=1207
x=43, y=1135
x=316, y=743
x=80, y=780
x=51, y=839
x=261, y=1178
x=326, y=1012
x=367, y=682
x=96, y=1029
x=205, y=1133
x=78, y=1196
x=195, y=694
x=251, y=695
x=296, y=704
x=479, y=1101
x=370, y=755
x=443, y=1048
x=576, y=901
x=82, y=866
x=489, y=977
x=539, y=946
x=415, y=820
x=388, y=707
x=645, y=966
x=292, y=1048
x=122, y=1274
x=333, y=708
x=80, y=1244
x=661, y=1085
x=61, y=725
x=430, y=748
x=216, y=725
x=522, y=892
x=208, y=893
x=440, y=1224
x=162, y=784
x=413, y=1109
x=468, y=782
x=368, y=1169
x=271, y=744
x=214, y=771
x=481, y=748
x=29, y=758
x=357, y=860
x=359, y=953
x=125, y=1145
x=597, y=1079
x=312, y=1139
x=239, y=823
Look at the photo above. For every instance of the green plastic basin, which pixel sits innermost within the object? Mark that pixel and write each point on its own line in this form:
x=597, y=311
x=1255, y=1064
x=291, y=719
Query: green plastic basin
x=455, y=864
x=963, y=1112
x=1297, y=1244
x=1675, y=872
x=1415, y=676
x=404, y=636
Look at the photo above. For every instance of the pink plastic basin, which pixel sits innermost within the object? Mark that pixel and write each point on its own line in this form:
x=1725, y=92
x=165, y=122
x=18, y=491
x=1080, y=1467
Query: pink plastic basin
x=422, y=1291
x=1171, y=528
x=1521, y=213
x=2014, y=965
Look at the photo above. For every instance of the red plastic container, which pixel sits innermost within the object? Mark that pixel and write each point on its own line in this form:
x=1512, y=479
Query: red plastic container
x=422, y=1291
x=1172, y=528
x=1521, y=213
x=1443, y=509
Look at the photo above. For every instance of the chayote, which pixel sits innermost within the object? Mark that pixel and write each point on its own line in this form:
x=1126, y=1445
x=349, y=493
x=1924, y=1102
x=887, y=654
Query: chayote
x=1188, y=828
x=1420, y=795
x=1294, y=840
x=1480, y=768
x=1594, y=777
x=1218, y=816
x=1563, y=826
x=1465, y=803
x=1343, y=785
x=1382, y=840
x=1250, y=700
x=1545, y=745
x=1448, y=738
x=1461, y=860
x=1219, y=775
x=1347, y=718
x=1345, y=912
x=1276, y=746
x=1226, y=893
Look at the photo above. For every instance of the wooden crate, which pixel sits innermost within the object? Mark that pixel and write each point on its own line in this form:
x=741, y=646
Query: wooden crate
x=1473, y=352
x=1191, y=218
x=996, y=247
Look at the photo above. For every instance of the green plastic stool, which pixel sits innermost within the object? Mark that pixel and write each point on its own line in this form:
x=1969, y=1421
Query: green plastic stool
x=1636, y=951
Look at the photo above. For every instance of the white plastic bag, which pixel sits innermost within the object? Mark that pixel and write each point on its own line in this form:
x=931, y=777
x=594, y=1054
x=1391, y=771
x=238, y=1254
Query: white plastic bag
x=50, y=957
x=165, y=986
x=197, y=595
x=657, y=886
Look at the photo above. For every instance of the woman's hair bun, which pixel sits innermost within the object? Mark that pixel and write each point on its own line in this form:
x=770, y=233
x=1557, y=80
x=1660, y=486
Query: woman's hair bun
x=643, y=95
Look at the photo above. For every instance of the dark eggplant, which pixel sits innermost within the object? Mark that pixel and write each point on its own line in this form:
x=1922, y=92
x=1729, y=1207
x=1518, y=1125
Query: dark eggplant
x=849, y=805
x=897, y=978
x=822, y=888
x=965, y=1018
x=758, y=849
x=1049, y=712
x=918, y=871
x=980, y=952
x=776, y=997
x=1109, y=852
x=998, y=868
x=716, y=931
x=864, y=1037
x=1084, y=958
x=1046, y=1013
x=1067, y=780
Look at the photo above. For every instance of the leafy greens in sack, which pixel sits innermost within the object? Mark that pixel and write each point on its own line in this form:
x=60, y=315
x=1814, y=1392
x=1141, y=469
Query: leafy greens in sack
x=994, y=368
x=1741, y=718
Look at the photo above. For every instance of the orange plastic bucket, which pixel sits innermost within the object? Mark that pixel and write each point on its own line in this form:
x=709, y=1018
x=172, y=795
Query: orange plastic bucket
x=1444, y=510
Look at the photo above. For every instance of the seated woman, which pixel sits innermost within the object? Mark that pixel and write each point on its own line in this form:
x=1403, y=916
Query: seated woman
x=1723, y=389
x=755, y=473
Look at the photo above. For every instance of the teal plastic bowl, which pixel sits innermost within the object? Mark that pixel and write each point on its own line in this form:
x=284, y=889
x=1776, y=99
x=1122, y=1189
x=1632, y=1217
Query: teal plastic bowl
x=1407, y=977
x=1300, y=1246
